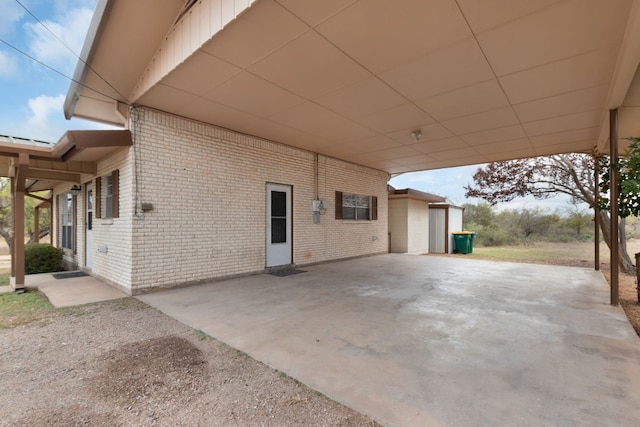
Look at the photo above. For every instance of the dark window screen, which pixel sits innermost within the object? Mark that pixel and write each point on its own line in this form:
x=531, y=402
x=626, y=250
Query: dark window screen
x=67, y=237
x=278, y=217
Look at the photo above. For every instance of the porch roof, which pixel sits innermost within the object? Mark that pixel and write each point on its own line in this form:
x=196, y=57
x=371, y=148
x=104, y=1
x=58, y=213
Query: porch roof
x=399, y=86
x=75, y=154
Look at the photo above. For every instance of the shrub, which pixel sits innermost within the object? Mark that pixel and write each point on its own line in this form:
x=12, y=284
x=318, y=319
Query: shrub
x=493, y=237
x=42, y=258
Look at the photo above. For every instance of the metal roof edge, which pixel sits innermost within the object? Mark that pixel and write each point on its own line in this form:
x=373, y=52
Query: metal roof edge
x=100, y=15
x=421, y=195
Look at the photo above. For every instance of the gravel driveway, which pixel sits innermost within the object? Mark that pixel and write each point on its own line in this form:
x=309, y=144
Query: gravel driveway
x=124, y=363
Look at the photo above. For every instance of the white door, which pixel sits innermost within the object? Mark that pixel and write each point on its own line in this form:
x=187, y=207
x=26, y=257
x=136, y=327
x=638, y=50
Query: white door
x=278, y=225
x=88, y=249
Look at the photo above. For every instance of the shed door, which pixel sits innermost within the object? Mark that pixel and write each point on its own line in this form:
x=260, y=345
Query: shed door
x=278, y=225
x=437, y=231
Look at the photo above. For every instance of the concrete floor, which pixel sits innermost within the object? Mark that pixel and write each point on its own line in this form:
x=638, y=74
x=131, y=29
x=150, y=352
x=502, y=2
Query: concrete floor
x=434, y=341
x=72, y=291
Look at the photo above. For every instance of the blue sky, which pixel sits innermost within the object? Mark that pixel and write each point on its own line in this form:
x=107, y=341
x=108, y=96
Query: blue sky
x=450, y=183
x=32, y=96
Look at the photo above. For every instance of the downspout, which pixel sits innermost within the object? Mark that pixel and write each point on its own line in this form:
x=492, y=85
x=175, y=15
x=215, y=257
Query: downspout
x=316, y=184
x=596, y=217
x=120, y=114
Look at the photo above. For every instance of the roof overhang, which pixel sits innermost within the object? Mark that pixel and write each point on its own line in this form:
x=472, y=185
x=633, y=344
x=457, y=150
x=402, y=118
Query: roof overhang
x=73, y=157
x=410, y=193
x=398, y=86
x=102, y=80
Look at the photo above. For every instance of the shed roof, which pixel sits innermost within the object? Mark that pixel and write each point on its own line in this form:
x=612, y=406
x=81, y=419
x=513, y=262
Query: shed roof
x=416, y=194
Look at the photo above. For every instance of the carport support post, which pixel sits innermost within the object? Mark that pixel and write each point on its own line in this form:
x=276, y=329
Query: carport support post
x=613, y=188
x=596, y=217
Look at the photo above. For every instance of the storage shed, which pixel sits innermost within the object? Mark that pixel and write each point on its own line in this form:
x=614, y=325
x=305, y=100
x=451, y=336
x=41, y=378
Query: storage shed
x=409, y=220
x=444, y=219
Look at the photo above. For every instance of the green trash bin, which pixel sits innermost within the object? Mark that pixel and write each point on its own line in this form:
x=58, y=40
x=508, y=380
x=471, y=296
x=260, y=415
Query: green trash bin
x=462, y=242
x=473, y=236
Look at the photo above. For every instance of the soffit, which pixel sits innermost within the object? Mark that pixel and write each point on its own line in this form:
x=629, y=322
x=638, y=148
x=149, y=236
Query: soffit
x=130, y=33
x=353, y=79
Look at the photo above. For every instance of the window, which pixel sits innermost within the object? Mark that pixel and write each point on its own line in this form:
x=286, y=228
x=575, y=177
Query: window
x=356, y=206
x=108, y=197
x=108, y=206
x=65, y=212
x=278, y=217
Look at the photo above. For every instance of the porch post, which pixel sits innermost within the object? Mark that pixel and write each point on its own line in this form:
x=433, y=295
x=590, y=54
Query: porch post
x=614, y=193
x=596, y=218
x=18, y=239
x=36, y=224
x=12, y=184
x=51, y=227
x=19, y=180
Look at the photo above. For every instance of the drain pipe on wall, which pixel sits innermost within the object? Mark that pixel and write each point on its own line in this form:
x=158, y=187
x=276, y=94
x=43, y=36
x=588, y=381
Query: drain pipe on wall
x=317, y=205
x=596, y=218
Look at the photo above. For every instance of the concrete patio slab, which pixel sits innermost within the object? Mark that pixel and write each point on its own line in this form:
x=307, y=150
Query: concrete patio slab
x=434, y=341
x=72, y=291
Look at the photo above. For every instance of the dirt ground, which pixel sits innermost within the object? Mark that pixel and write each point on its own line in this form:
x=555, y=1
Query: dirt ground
x=628, y=296
x=122, y=363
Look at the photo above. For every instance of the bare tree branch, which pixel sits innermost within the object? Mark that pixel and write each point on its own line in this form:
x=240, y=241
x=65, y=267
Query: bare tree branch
x=542, y=178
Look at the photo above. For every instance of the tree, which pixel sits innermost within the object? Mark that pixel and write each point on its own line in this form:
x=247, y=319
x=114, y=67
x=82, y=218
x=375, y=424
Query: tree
x=5, y=214
x=5, y=211
x=628, y=168
x=577, y=219
x=480, y=214
x=545, y=177
x=527, y=222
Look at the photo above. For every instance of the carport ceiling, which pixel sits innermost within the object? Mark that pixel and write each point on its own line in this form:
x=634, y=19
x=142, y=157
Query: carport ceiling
x=405, y=85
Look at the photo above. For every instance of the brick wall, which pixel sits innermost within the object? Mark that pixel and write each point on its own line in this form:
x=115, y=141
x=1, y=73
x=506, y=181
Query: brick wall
x=114, y=234
x=208, y=186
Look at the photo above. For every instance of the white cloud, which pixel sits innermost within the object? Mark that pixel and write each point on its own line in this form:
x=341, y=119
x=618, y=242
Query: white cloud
x=45, y=120
x=8, y=65
x=422, y=177
x=40, y=120
x=11, y=13
x=70, y=28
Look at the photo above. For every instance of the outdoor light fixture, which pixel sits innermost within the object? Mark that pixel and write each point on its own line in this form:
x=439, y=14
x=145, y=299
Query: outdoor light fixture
x=416, y=135
x=75, y=190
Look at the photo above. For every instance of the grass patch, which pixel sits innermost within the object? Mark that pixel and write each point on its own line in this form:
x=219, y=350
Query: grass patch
x=539, y=252
x=122, y=303
x=20, y=309
x=241, y=354
x=202, y=336
x=509, y=253
x=4, y=277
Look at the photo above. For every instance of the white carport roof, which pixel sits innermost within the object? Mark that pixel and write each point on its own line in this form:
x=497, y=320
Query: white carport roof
x=359, y=80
